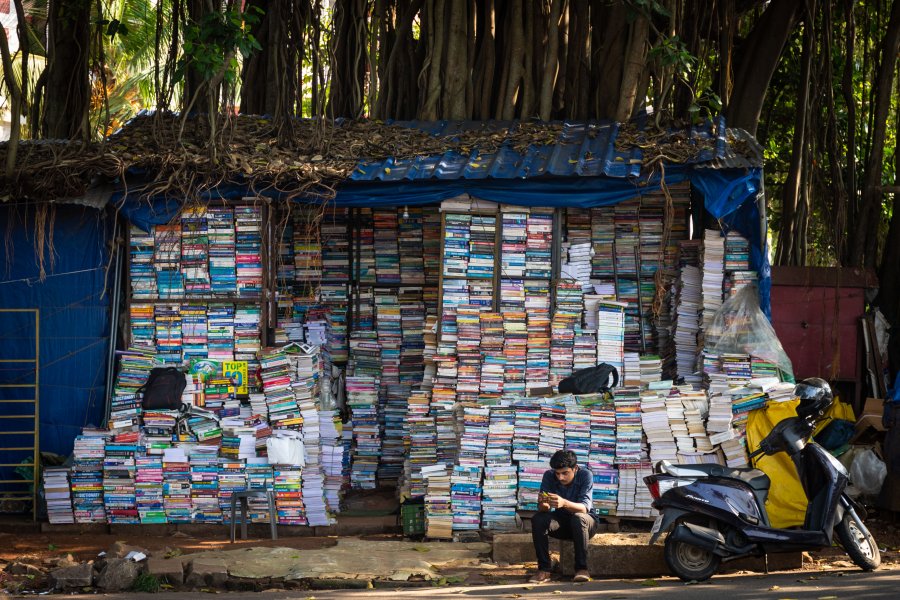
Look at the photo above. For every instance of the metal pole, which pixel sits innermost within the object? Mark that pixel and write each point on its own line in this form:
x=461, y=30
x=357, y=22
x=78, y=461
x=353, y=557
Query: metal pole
x=113, y=326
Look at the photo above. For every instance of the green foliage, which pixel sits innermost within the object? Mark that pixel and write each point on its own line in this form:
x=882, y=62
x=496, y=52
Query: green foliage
x=211, y=45
x=146, y=583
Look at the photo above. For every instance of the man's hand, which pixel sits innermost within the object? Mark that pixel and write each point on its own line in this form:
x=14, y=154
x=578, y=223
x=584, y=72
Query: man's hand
x=543, y=507
x=556, y=501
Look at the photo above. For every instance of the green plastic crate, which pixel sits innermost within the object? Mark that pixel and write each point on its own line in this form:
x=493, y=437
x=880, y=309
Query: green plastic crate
x=412, y=517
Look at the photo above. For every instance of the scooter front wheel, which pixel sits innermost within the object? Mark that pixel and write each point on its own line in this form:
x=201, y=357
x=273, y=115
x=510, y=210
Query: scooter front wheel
x=690, y=563
x=858, y=542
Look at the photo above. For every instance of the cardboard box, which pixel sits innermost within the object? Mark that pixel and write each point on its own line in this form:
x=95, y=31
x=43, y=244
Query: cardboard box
x=870, y=420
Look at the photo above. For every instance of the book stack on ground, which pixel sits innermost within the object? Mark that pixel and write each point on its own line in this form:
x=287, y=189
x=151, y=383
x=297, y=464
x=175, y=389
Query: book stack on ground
x=118, y=478
x=232, y=478
x=148, y=485
x=288, y=487
x=177, y=485
x=87, y=477
x=656, y=425
x=465, y=497
x=362, y=398
x=204, y=463
x=421, y=444
x=438, y=501
x=602, y=455
x=58, y=495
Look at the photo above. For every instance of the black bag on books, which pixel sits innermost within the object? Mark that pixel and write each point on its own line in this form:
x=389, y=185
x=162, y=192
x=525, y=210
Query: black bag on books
x=593, y=380
x=163, y=389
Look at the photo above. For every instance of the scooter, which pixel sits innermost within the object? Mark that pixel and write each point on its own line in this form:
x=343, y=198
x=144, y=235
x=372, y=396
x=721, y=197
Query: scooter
x=718, y=514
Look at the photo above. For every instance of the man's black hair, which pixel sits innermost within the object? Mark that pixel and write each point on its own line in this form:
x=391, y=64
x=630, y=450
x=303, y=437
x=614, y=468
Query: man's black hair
x=563, y=459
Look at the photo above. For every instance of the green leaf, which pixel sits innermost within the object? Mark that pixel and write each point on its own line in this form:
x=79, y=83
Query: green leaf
x=650, y=583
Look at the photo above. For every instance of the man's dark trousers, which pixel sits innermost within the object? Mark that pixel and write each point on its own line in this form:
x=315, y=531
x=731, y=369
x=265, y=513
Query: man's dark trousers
x=562, y=525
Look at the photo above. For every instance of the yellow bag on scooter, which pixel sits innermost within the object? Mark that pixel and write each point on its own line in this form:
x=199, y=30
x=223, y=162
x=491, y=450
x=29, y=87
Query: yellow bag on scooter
x=786, y=503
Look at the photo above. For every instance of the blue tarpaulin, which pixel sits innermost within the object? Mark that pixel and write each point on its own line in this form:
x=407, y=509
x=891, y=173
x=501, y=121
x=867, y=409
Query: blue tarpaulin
x=74, y=322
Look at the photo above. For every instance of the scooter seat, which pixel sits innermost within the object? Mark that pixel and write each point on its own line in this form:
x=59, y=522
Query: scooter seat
x=755, y=478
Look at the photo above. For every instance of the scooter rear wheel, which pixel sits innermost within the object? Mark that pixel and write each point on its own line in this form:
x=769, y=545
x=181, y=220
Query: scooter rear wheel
x=859, y=544
x=690, y=563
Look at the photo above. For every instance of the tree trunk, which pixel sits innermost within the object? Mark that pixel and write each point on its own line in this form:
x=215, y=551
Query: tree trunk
x=551, y=61
x=194, y=84
x=635, y=63
x=861, y=251
x=255, y=73
x=835, y=156
x=454, y=89
x=434, y=61
x=850, y=104
x=759, y=56
x=485, y=59
x=68, y=91
x=615, y=40
x=787, y=252
x=889, y=273
x=514, y=57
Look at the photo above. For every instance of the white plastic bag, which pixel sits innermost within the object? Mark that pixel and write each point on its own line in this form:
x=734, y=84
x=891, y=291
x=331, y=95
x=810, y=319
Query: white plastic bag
x=867, y=472
x=285, y=447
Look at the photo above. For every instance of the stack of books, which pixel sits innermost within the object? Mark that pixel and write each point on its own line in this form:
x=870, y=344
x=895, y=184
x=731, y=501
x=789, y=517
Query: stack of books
x=288, y=488
x=248, y=251
x=58, y=495
x=148, y=485
x=537, y=309
x=387, y=253
x=611, y=334
x=527, y=435
x=140, y=266
x=232, y=478
x=499, y=501
x=628, y=425
x=204, y=462
x=87, y=477
x=465, y=497
x=438, y=502
x=119, y=495
x=222, y=263
x=362, y=398
x=530, y=476
x=195, y=250
x=177, y=486
x=713, y=274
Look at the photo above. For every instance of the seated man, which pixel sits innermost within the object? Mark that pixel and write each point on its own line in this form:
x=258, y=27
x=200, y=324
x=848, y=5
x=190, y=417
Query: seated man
x=564, y=512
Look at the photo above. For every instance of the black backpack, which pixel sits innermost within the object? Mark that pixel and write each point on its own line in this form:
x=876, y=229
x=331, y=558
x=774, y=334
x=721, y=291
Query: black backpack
x=163, y=389
x=593, y=380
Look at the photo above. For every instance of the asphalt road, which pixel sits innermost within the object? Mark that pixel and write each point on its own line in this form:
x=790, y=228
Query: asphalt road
x=819, y=585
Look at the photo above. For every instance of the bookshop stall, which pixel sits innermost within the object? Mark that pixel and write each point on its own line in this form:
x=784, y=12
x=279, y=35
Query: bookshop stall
x=411, y=337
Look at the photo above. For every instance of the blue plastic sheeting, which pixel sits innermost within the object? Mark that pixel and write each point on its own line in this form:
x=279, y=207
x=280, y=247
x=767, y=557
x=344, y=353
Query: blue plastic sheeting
x=74, y=321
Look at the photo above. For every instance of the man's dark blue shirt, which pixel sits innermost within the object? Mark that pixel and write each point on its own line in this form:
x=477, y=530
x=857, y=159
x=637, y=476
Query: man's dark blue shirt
x=581, y=490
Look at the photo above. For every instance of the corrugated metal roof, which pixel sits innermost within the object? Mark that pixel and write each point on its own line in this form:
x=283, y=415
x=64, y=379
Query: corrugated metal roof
x=583, y=149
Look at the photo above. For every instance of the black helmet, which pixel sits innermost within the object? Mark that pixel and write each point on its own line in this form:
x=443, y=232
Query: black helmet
x=815, y=397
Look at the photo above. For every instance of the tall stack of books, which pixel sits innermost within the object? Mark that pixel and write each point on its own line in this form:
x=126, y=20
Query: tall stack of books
x=421, y=443
x=713, y=273
x=135, y=365
x=527, y=436
x=362, y=398
x=656, y=424
x=473, y=441
x=169, y=340
x=177, y=486
x=468, y=352
x=602, y=455
x=411, y=245
x=87, y=477
x=688, y=302
x=537, y=309
x=140, y=266
x=281, y=404
x=232, y=478
x=569, y=306
x=118, y=480
x=578, y=430
x=332, y=458
x=167, y=260
x=737, y=263
x=438, y=502
x=248, y=251
x=58, y=495
x=465, y=497
x=553, y=429
x=259, y=477
x=288, y=488
x=530, y=476
x=220, y=332
x=628, y=425
x=148, y=485
x=222, y=263
x=195, y=250
x=515, y=348
x=493, y=357
x=204, y=463
x=611, y=334
x=387, y=253
x=499, y=501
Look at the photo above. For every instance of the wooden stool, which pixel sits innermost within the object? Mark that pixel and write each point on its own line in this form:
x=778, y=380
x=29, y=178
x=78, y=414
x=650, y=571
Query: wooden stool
x=243, y=496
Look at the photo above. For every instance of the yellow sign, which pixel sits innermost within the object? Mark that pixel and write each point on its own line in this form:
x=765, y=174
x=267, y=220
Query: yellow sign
x=236, y=371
